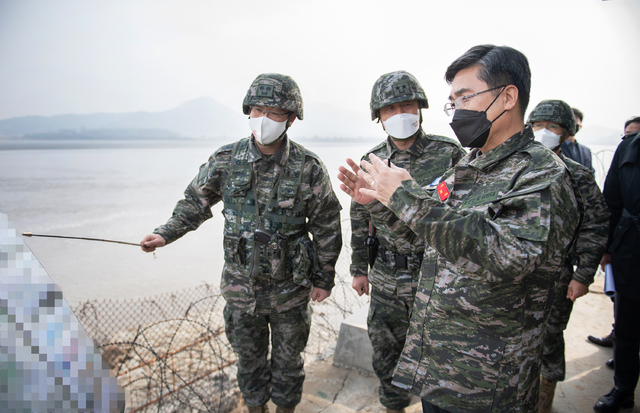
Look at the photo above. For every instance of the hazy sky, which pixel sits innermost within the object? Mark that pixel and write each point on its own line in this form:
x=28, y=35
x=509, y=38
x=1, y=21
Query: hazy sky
x=83, y=56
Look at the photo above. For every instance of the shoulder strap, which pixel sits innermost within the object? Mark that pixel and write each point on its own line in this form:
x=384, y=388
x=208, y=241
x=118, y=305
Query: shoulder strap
x=241, y=172
x=291, y=177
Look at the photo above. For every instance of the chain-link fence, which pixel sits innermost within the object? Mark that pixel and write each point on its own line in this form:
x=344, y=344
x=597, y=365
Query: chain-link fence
x=170, y=352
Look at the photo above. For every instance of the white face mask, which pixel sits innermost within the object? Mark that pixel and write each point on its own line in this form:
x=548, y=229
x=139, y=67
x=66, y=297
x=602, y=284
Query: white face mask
x=265, y=130
x=402, y=125
x=547, y=138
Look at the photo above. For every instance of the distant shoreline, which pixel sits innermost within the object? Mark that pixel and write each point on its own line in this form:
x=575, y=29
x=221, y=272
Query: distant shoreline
x=40, y=144
x=15, y=144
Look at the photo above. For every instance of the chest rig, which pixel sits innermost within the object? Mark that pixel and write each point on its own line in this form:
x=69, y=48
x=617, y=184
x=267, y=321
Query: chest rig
x=283, y=219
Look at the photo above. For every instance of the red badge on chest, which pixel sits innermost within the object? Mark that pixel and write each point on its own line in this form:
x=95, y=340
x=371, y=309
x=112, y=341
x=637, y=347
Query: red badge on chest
x=443, y=191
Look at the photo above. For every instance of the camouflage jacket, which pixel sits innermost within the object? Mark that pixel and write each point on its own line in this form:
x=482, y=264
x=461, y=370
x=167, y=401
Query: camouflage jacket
x=592, y=237
x=294, y=196
x=499, y=227
x=427, y=159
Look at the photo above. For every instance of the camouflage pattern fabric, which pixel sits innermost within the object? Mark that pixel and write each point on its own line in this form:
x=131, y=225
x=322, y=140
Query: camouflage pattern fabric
x=395, y=87
x=387, y=325
x=592, y=237
x=259, y=378
x=426, y=160
x=392, y=288
x=497, y=242
x=556, y=111
x=276, y=91
x=320, y=210
x=264, y=283
x=588, y=249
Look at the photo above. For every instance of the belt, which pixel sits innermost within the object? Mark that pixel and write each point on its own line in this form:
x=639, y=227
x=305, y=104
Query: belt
x=628, y=214
x=400, y=261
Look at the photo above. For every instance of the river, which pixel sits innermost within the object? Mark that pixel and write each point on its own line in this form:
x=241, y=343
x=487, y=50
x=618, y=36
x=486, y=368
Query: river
x=123, y=191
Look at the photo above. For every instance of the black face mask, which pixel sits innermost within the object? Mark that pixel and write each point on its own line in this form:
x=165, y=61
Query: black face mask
x=472, y=126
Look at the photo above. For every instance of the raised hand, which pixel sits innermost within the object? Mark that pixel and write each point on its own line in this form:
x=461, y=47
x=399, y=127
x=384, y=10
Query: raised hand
x=351, y=183
x=382, y=179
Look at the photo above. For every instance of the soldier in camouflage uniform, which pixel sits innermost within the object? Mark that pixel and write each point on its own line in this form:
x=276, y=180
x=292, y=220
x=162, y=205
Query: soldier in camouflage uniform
x=498, y=227
x=396, y=99
x=553, y=121
x=275, y=194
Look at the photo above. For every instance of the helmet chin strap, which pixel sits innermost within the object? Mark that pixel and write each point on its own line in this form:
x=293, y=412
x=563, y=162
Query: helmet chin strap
x=289, y=123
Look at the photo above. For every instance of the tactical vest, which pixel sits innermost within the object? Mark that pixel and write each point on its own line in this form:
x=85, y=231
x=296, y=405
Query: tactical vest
x=288, y=253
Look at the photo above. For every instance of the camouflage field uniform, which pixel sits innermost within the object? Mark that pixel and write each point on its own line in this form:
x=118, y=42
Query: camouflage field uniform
x=586, y=254
x=267, y=285
x=394, y=277
x=497, y=244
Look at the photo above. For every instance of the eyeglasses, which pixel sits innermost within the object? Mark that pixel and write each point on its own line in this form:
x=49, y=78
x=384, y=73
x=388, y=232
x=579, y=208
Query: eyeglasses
x=557, y=129
x=269, y=113
x=461, y=101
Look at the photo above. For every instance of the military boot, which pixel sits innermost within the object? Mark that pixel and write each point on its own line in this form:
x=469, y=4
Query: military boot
x=395, y=411
x=547, y=391
x=285, y=409
x=258, y=409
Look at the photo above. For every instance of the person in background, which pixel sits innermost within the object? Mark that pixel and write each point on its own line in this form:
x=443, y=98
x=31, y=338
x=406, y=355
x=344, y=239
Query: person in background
x=630, y=127
x=622, y=194
x=553, y=122
x=498, y=227
x=276, y=194
x=572, y=149
x=397, y=100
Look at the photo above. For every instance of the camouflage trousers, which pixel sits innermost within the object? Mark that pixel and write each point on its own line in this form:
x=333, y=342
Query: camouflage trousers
x=388, y=322
x=553, y=357
x=259, y=378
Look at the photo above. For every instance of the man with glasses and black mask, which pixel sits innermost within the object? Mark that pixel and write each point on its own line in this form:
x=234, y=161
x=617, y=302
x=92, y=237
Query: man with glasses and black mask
x=553, y=122
x=394, y=252
x=498, y=227
x=275, y=194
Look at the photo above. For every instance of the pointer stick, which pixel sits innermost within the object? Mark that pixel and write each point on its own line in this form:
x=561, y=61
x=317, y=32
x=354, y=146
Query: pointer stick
x=29, y=234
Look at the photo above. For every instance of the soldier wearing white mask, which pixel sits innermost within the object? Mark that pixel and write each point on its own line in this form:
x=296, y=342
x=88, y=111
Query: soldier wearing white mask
x=394, y=252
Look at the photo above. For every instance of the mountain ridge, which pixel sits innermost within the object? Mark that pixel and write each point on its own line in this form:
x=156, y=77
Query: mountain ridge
x=202, y=117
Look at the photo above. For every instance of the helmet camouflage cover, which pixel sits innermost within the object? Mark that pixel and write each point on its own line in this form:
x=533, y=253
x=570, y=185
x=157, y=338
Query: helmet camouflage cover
x=556, y=111
x=276, y=91
x=396, y=87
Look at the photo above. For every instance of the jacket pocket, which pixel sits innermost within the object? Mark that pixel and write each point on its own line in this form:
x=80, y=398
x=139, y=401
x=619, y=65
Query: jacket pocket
x=304, y=263
x=234, y=249
x=461, y=365
x=527, y=212
x=477, y=345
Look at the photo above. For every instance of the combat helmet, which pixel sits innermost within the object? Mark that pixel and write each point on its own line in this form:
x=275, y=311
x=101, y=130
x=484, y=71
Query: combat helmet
x=556, y=111
x=276, y=91
x=396, y=87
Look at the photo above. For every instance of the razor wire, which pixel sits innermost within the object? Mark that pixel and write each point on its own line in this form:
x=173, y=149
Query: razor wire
x=169, y=352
